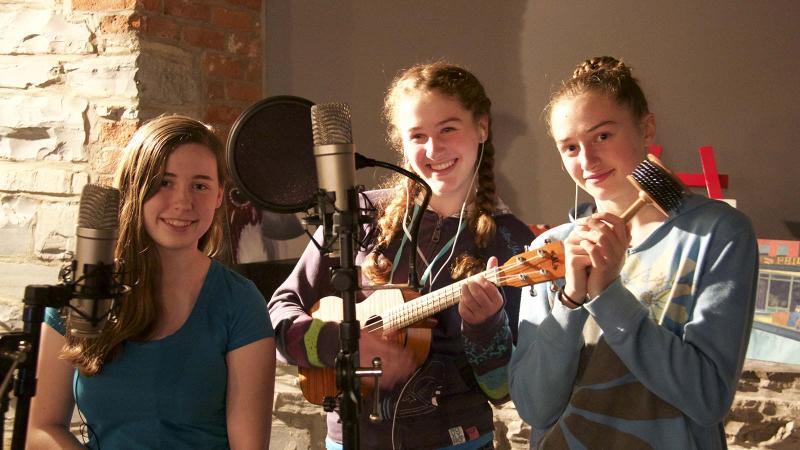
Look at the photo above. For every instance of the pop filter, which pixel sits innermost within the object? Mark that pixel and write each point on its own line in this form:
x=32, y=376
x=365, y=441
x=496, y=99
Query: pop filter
x=270, y=154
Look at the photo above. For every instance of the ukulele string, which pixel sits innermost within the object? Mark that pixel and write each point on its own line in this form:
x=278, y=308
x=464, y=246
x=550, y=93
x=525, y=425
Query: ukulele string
x=491, y=274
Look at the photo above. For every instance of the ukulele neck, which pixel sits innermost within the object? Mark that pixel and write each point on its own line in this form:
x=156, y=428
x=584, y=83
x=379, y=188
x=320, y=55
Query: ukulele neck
x=427, y=305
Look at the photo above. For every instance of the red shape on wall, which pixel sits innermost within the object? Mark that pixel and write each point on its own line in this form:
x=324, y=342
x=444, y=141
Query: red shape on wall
x=709, y=179
x=710, y=172
x=699, y=180
x=656, y=150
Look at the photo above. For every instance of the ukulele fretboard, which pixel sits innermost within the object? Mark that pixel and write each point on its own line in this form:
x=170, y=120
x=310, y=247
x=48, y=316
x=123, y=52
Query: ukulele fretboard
x=427, y=305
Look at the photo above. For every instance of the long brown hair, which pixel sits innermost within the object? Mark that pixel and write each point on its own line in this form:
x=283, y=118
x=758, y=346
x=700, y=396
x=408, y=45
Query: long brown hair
x=459, y=84
x=138, y=178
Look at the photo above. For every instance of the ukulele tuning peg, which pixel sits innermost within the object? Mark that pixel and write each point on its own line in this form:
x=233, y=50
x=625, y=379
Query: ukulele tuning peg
x=533, y=291
x=525, y=248
x=553, y=287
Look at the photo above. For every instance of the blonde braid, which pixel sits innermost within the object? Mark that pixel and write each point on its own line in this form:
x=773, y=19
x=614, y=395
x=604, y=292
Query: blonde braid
x=390, y=219
x=481, y=220
x=460, y=84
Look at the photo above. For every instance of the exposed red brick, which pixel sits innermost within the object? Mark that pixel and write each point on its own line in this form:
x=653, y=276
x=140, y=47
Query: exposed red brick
x=244, y=44
x=152, y=5
x=252, y=70
x=135, y=22
x=216, y=90
x=243, y=91
x=222, y=131
x=190, y=9
x=161, y=28
x=255, y=5
x=120, y=23
x=221, y=114
x=106, y=161
x=102, y=5
x=203, y=37
x=117, y=134
x=222, y=66
x=228, y=19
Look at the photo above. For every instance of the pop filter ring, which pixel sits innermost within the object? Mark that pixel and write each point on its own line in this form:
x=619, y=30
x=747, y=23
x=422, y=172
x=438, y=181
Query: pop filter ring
x=272, y=141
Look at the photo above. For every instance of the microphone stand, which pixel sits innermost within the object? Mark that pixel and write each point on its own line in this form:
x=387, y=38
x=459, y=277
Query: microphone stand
x=23, y=349
x=344, y=279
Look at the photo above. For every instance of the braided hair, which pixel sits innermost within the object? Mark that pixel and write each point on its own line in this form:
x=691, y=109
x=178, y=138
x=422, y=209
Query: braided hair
x=604, y=75
x=461, y=85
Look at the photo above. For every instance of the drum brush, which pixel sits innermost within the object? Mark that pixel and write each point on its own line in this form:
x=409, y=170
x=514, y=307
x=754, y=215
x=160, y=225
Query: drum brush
x=657, y=186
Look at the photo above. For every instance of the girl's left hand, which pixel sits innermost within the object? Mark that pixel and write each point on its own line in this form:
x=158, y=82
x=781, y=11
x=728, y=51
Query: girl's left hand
x=605, y=239
x=480, y=299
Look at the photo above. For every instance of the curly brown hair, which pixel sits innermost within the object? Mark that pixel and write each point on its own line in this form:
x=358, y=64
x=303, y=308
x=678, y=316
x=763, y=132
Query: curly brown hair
x=459, y=84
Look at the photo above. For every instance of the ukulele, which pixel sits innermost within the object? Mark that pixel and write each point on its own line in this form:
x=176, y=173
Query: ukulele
x=402, y=313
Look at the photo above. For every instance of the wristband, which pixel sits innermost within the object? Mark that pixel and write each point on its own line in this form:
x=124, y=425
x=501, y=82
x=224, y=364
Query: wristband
x=566, y=300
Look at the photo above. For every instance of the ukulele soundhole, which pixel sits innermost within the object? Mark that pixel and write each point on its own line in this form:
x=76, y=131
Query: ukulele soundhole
x=374, y=322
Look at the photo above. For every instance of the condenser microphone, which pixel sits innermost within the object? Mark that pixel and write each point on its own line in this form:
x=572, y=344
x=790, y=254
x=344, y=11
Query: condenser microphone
x=334, y=154
x=95, y=286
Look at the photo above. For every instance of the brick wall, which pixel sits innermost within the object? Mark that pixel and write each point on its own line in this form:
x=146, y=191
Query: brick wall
x=76, y=80
x=204, y=58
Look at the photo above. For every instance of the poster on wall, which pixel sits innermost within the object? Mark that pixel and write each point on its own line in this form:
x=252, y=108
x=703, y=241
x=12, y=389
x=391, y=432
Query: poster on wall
x=776, y=324
x=254, y=232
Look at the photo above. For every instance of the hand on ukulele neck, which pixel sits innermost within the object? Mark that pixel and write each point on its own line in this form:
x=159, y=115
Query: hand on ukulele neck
x=480, y=298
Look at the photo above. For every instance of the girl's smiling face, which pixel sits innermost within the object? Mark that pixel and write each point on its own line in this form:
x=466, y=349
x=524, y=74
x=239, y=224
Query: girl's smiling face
x=183, y=208
x=600, y=143
x=440, y=140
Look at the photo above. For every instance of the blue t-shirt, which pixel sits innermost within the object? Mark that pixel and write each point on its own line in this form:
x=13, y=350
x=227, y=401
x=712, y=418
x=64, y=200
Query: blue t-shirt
x=170, y=393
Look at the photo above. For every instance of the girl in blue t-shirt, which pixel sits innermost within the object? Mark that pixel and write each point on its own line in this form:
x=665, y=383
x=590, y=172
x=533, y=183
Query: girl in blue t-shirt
x=189, y=360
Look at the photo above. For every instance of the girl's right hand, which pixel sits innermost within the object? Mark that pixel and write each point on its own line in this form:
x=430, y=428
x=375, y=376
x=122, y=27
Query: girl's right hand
x=595, y=253
x=398, y=362
x=578, y=264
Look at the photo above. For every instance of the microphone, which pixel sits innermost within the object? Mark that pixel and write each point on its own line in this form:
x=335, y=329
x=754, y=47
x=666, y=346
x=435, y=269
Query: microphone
x=93, y=268
x=334, y=154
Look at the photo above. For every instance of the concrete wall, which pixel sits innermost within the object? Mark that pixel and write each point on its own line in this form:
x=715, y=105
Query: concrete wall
x=716, y=72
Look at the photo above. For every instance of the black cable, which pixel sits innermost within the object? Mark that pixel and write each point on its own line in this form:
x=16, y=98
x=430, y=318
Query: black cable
x=84, y=424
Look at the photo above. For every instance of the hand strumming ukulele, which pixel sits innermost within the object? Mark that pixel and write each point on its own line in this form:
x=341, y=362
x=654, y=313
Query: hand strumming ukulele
x=401, y=313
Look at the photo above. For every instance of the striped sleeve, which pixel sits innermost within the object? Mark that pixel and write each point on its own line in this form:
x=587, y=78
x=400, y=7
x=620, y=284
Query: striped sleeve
x=311, y=342
x=488, y=349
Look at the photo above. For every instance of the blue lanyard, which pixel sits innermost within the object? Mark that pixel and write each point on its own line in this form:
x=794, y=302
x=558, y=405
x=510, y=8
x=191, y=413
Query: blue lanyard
x=442, y=252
